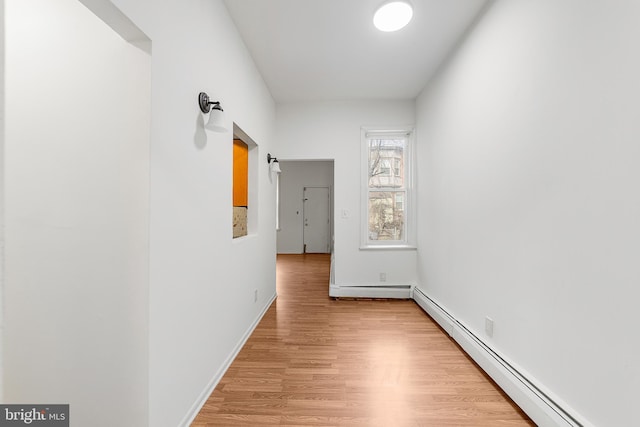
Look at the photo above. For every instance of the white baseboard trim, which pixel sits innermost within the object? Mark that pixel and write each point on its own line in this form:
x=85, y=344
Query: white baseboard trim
x=399, y=292
x=544, y=411
x=202, y=398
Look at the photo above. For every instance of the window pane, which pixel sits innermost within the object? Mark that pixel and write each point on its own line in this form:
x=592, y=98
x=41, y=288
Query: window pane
x=386, y=155
x=386, y=215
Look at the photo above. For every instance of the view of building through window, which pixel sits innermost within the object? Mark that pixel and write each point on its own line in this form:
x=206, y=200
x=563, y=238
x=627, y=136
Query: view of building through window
x=386, y=188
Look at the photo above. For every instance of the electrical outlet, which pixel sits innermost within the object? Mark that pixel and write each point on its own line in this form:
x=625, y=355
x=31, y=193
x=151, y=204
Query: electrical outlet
x=255, y=296
x=488, y=326
x=383, y=277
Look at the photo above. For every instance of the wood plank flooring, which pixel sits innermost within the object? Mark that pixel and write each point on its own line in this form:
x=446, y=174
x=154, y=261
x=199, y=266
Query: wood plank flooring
x=314, y=361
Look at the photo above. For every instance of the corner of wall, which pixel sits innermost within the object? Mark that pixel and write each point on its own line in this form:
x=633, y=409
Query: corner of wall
x=520, y=387
x=191, y=415
x=2, y=168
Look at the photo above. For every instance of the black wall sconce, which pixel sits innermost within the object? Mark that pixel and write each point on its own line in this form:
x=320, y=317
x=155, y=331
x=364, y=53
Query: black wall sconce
x=216, y=116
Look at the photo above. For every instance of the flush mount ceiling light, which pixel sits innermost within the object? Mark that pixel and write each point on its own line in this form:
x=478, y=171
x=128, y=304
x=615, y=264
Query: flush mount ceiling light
x=392, y=16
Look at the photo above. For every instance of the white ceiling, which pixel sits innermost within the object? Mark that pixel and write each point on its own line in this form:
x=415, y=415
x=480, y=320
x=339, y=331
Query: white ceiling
x=329, y=49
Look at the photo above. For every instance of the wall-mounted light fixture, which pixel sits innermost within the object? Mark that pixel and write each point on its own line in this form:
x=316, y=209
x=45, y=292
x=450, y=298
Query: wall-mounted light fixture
x=274, y=167
x=274, y=164
x=216, y=118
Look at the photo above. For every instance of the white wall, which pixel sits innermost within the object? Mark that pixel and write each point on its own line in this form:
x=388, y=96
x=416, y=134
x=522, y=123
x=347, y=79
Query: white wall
x=331, y=130
x=529, y=201
x=2, y=38
x=294, y=178
x=76, y=197
x=202, y=280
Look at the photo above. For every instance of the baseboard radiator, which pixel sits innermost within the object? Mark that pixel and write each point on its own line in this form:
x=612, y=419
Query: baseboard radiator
x=542, y=409
x=366, y=291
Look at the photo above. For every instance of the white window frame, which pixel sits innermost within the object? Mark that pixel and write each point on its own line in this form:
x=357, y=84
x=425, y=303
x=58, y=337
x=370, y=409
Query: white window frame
x=371, y=132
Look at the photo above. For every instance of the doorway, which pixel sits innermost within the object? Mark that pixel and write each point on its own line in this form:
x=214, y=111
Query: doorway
x=301, y=179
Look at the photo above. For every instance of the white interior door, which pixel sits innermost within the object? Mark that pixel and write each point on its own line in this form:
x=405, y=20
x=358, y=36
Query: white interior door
x=317, y=220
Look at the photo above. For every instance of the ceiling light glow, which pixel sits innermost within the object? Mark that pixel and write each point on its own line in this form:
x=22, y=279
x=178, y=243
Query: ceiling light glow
x=392, y=16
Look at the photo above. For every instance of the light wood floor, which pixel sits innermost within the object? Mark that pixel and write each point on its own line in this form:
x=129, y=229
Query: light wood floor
x=313, y=361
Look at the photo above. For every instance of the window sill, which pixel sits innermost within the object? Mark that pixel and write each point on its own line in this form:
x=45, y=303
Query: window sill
x=240, y=239
x=388, y=248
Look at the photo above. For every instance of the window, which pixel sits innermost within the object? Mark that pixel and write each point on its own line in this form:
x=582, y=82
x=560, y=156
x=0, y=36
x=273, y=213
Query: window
x=384, y=169
x=387, y=187
x=399, y=199
x=396, y=167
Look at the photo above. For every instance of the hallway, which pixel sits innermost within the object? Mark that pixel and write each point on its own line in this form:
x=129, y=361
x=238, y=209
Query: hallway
x=316, y=361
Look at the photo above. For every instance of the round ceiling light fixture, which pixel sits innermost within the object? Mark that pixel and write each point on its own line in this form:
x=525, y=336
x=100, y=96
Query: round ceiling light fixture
x=392, y=16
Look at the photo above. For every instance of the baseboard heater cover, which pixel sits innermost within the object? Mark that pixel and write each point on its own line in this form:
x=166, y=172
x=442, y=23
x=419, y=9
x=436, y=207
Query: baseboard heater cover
x=367, y=291
x=543, y=410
